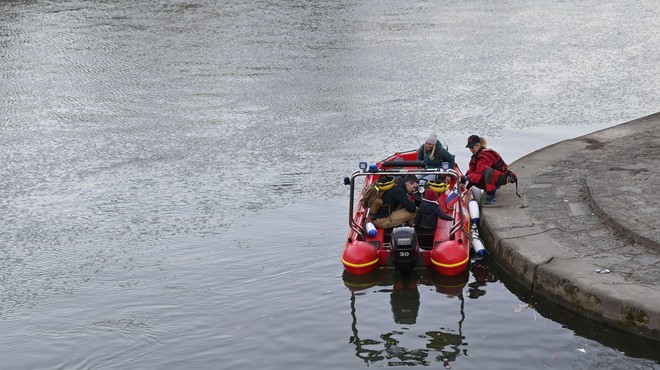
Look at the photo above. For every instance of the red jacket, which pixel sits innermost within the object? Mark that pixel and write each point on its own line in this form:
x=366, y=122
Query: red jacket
x=480, y=161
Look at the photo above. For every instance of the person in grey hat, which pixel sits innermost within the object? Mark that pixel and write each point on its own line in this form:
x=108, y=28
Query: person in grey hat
x=433, y=154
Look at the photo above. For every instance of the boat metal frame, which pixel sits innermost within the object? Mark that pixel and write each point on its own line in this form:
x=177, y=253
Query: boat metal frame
x=359, y=229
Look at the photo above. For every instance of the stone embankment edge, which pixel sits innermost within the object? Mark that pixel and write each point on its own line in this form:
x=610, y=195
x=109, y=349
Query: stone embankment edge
x=545, y=267
x=595, y=200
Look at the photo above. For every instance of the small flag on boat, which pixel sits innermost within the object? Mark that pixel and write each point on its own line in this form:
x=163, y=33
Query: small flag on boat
x=452, y=198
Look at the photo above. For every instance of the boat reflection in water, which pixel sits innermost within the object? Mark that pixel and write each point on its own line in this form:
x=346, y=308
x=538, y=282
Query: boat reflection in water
x=392, y=348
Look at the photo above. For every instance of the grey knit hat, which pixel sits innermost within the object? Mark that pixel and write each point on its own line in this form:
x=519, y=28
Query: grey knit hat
x=432, y=138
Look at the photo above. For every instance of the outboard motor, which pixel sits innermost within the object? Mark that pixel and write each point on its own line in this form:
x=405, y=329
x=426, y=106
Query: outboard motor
x=404, y=249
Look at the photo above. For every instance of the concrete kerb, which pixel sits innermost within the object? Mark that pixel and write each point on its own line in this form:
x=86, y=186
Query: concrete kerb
x=516, y=241
x=521, y=245
x=597, y=199
x=607, y=298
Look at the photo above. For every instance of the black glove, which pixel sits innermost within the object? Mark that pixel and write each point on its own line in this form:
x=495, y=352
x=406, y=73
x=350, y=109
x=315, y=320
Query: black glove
x=464, y=179
x=512, y=177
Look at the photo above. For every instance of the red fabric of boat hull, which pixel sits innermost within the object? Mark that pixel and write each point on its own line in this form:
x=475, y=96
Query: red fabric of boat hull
x=360, y=258
x=450, y=257
x=450, y=254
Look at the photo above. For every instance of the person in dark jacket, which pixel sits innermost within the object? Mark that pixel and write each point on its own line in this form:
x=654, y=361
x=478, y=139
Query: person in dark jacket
x=487, y=170
x=429, y=211
x=433, y=154
x=398, y=207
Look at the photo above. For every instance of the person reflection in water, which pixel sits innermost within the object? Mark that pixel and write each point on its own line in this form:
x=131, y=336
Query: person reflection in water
x=390, y=348
x=404, y=300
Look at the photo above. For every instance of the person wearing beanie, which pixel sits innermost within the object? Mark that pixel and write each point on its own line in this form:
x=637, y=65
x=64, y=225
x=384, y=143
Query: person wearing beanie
x=429, y=211
x=487, y=170
x=433, y=154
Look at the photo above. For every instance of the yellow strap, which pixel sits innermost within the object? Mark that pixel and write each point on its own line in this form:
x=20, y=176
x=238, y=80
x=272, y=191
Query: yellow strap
x=358, y=265
x=452, y=265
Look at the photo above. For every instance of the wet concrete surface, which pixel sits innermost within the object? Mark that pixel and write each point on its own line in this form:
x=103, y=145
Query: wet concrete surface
x=586, y=233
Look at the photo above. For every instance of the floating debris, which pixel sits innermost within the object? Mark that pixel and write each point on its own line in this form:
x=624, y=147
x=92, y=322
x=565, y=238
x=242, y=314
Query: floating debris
x=521, y=307
x=603, y=271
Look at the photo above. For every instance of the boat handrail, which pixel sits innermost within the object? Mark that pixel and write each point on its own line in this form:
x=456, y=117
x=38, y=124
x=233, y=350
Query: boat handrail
x=461, y=225
x=359, y=229
x=457, y=227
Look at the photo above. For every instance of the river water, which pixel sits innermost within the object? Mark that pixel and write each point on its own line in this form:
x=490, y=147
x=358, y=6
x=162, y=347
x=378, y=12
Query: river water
x=171, y=176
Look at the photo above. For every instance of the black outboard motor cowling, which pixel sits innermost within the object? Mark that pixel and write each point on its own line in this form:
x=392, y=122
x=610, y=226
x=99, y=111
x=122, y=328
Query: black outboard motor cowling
x=404, y=249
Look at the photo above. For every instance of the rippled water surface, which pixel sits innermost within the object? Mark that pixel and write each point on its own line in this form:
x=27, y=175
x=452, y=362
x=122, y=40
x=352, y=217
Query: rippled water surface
x=171, y=175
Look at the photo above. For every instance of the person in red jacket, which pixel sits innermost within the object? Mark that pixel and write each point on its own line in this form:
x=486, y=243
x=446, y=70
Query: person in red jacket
x=487, y=170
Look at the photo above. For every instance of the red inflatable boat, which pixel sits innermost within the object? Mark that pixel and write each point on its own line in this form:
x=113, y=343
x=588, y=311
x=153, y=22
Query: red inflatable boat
x=445, y=249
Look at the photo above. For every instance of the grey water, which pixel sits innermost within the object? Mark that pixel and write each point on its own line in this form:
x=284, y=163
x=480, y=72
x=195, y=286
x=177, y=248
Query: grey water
x=171, y=176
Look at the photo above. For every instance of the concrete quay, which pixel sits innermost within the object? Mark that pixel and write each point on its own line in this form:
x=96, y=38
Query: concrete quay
x=586, y=234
